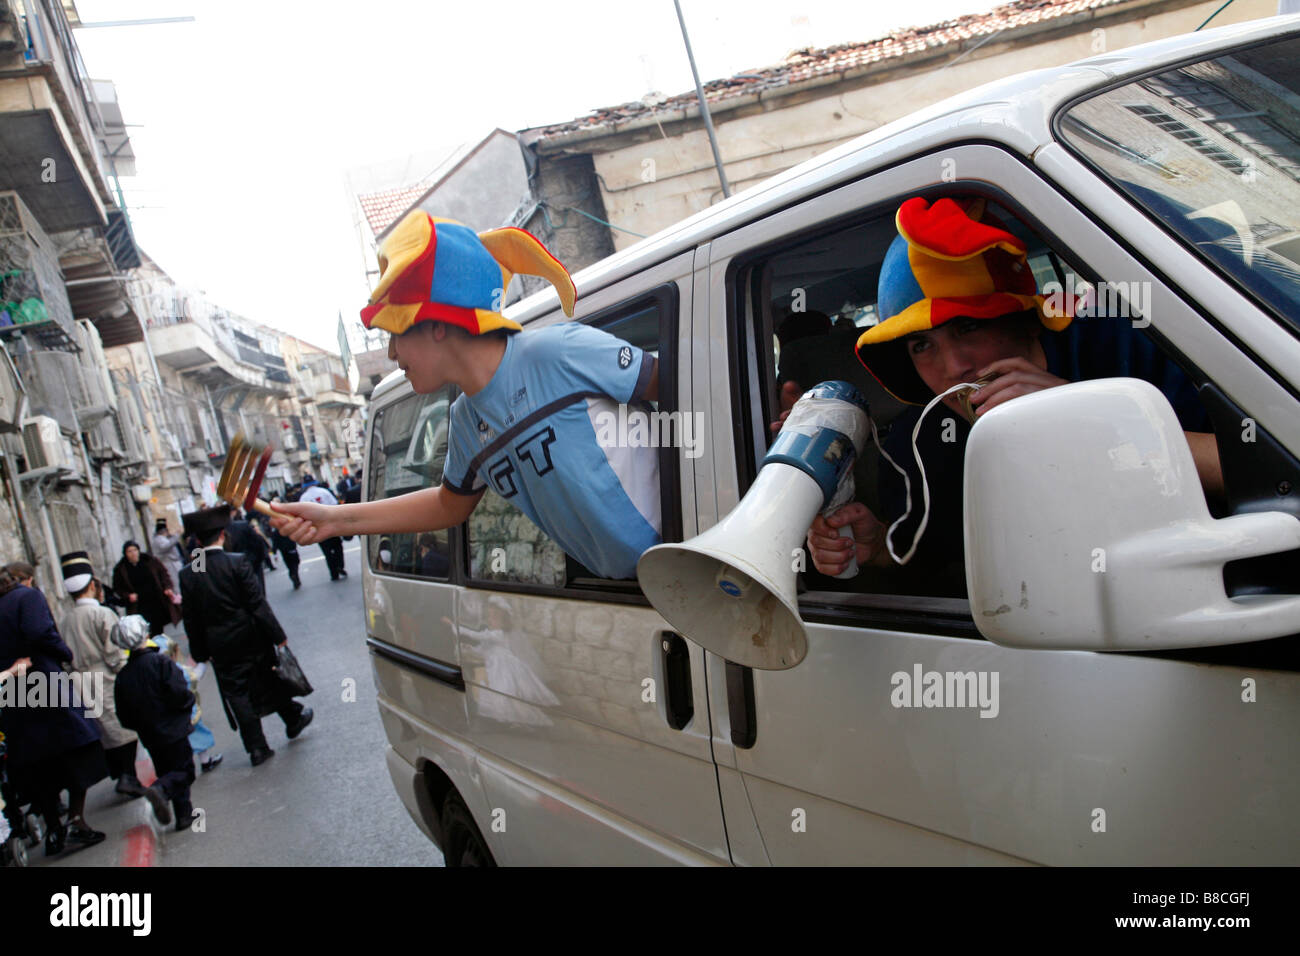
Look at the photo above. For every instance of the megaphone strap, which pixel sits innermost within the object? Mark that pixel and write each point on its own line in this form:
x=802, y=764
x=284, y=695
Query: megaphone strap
x=907, y=481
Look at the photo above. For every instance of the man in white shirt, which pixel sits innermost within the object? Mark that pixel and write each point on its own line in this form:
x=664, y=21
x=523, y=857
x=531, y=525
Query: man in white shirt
x=88, y=632
x=332, y=548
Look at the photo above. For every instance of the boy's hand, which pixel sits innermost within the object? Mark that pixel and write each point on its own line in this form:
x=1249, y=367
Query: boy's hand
x=1015, y=377
x=830, y=552
x=791, y=392
x=306, y=522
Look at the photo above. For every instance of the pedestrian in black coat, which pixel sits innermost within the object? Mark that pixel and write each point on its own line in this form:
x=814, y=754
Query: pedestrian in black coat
x=229, y=623
x=147, y=586
x=241, y=538
x=261, y=524
x=154, y=699
x=288, y=550
x=50, y=748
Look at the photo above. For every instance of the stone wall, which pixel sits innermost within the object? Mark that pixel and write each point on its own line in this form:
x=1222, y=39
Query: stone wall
x=530, y=556
x=567, y=184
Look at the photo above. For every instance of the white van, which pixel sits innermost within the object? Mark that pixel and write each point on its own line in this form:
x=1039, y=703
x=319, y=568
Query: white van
x=536, y=715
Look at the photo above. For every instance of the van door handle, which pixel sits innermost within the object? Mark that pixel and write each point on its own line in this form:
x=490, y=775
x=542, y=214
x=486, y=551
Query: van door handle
x=679, y=701
x=741, y=712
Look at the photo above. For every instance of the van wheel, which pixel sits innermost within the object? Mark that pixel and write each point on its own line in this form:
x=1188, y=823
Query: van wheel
x=463, y=844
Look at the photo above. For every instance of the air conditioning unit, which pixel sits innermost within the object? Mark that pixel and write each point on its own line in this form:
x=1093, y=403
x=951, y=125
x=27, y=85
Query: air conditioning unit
x=196, y=455
x=45, y=445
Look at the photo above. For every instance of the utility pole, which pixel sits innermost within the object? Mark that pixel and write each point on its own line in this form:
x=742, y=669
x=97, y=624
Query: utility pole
x=704, y=106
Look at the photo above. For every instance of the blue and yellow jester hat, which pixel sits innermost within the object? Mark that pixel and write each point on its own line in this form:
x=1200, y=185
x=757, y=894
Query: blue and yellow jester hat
x=947, y=261
x=435, y=269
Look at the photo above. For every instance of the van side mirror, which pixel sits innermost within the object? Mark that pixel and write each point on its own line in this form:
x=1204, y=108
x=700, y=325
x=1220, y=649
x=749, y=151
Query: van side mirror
x=1086, y=528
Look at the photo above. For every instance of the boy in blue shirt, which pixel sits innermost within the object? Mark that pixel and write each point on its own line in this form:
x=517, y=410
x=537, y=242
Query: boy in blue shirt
x=525, y=422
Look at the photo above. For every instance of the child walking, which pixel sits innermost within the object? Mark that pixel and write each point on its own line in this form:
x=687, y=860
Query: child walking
x=154, y=700
x=201, y=738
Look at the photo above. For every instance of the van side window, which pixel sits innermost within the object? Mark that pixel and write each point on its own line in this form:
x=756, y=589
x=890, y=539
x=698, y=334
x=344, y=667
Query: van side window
x=812, y=298
x=504, y=545
x=406, y=454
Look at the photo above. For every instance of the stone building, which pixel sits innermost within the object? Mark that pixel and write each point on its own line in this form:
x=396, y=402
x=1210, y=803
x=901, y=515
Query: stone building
x=119, y=389
x=649, y=165
x=69, y=474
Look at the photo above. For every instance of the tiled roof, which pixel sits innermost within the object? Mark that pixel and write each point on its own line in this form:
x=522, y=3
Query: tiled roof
x=383, y=207
x=804, y=65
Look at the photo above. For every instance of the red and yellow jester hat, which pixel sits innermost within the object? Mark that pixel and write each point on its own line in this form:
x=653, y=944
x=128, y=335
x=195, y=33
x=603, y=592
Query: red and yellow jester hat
x=435, y=269
x=947, y=261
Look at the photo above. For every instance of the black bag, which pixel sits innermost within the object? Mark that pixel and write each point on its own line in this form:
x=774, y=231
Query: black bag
x=290, y=674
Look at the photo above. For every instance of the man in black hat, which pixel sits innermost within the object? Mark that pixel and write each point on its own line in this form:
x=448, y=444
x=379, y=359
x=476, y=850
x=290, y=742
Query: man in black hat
x=229, y=623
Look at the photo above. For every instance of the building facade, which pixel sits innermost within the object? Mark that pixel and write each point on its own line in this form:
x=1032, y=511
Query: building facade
x=650, y=165
x=120, y=390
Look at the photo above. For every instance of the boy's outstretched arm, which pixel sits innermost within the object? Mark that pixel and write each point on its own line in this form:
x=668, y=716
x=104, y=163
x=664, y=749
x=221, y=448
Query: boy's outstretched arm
x=429, y=509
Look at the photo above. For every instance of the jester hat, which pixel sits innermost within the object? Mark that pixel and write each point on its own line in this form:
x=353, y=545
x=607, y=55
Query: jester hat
x=947, y=261
x=435, y=269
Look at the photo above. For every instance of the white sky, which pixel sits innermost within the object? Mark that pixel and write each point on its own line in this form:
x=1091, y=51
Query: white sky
x=251, y=115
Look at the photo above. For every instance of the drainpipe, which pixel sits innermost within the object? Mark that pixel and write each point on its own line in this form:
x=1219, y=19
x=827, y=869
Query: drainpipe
x=216, y=419
x=96, y=498
x=51, y=545
x=153, y=362
x=16, y=489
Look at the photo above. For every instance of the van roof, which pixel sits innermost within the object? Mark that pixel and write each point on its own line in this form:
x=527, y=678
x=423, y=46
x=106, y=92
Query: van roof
x=1015, y=111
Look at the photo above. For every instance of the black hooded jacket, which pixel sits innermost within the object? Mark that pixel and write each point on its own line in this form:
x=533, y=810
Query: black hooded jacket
x=153, y=698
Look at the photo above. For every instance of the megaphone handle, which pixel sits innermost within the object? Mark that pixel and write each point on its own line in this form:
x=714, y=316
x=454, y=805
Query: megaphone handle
x=852, y=570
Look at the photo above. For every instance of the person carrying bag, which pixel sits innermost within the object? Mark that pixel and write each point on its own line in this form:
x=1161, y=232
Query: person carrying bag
x=230, y=623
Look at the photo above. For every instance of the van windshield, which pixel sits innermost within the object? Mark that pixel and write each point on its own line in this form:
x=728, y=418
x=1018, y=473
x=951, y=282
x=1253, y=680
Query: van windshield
x=1212, y=150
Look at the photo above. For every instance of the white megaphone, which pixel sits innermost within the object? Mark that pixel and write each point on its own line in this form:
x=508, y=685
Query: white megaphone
x=732, y=588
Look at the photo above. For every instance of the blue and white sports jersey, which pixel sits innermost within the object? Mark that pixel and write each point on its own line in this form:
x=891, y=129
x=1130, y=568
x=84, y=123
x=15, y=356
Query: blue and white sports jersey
x=531, y=435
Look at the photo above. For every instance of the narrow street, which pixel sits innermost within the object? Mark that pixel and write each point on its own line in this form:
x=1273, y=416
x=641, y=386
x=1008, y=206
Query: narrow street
x=324, y=799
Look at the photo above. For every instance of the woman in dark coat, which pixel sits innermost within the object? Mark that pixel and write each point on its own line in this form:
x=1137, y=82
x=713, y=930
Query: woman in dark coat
x=50, y=748
x=143, y=581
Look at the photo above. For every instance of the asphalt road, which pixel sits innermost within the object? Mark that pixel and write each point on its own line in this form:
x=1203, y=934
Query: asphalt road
x=324, y=799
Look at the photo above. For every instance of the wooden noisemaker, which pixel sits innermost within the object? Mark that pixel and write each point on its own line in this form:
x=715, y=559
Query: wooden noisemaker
x=241, y=478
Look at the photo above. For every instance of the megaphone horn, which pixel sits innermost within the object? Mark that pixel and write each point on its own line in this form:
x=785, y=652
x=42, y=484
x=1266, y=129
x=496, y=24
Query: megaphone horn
x=732, y=589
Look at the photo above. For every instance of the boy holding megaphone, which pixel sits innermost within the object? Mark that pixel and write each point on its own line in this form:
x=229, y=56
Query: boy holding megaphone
x=962, y=323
